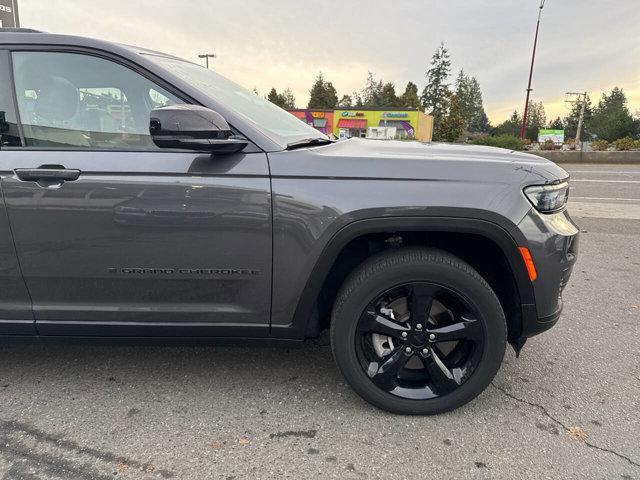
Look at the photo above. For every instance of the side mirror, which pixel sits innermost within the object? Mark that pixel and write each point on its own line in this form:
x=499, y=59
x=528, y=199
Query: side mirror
x=193, y=127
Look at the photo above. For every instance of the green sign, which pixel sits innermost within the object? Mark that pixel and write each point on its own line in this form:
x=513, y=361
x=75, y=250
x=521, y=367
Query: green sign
x=557, y=136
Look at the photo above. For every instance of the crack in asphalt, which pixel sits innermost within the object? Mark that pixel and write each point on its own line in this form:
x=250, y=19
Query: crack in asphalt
x=543, y=409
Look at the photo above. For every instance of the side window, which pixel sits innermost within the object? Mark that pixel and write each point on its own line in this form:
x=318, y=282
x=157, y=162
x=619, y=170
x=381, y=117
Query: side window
x=68, y=100
x=9, y=136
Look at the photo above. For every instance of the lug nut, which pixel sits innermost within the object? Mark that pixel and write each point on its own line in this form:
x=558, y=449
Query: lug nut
x=419, y=326
x=432, y=337
x=425, y=351
x=404, y=334
x=408, y=349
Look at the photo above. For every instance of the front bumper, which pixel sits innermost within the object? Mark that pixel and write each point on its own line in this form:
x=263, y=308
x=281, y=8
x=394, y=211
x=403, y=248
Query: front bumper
x=553, y=242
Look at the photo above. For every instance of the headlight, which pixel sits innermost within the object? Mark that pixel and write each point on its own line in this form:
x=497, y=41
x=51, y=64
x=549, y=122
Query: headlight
x=548, y=198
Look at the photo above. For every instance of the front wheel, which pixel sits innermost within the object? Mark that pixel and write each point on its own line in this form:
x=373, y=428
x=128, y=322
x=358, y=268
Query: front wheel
x=417, y=331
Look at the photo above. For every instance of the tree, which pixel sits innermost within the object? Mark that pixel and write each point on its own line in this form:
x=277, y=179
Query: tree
x=436, y=93
x=274, y=98
x=345, y=102
x=469, y=97
x=371, y=94
x=509, y=127
x=451, y=126
x=557, y=124
x=611, y=118
x=479, y=123
x=536, y=119
x=331, y=95
x=288, y=99
x=323, y=94
x=410, y=98
x=463, y=93
x=387, y=96
x=284, y=100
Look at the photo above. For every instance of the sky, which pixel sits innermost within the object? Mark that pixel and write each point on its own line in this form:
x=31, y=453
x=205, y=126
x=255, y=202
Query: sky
x=584, y=45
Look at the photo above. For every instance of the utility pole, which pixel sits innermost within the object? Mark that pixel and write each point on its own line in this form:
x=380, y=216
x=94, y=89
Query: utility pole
x=523, y=130
x=207, y=56
x=574, y=98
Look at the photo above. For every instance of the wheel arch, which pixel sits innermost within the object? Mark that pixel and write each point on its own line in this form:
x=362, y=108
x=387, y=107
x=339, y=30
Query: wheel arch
x=503, y=237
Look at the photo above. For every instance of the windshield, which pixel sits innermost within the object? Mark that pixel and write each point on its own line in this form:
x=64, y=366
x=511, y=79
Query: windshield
x=268, y=117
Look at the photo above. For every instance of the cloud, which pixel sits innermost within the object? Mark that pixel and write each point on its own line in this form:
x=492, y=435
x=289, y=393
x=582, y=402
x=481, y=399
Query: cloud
x=285, y=43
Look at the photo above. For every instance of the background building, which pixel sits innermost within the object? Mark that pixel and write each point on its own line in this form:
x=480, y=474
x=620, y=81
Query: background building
x=9, y=14
x=386, y=123
x=377, y=122
x=321, y=120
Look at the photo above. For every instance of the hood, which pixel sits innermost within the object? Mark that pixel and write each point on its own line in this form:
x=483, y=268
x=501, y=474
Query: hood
x=415, y=160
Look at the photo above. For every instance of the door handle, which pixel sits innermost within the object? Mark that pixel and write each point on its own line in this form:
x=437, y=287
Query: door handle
x=47, y=173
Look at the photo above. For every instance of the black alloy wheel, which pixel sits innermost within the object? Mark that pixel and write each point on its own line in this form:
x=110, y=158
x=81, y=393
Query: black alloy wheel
x=419, y=340
x=417, y=331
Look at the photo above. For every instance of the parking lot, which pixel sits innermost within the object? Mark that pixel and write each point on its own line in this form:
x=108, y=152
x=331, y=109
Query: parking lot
x=569, y=407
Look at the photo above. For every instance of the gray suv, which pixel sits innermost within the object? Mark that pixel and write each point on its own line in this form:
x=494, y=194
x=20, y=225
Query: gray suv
x=147, y=197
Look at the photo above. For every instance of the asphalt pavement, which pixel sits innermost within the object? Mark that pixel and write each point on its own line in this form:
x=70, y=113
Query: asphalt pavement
x=569, y=407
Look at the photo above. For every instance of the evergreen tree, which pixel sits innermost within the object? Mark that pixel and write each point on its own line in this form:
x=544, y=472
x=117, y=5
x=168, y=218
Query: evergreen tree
x=284, y=100
x=387, y=96
x=323, y=94
x=274, y=98
x=451, y=126
x=435, y=93
x=510, y=126
x=557, y=124
x=410, y=98
x=345, y=102
x=288, y=100
x=331, y=96
x=611, y=118
x=463, y=93
x=479, y=123
x=471, y=107
x=536, y=119
x=371, y=94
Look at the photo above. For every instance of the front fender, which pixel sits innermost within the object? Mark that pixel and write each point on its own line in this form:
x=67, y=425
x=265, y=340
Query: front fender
x=295, y=307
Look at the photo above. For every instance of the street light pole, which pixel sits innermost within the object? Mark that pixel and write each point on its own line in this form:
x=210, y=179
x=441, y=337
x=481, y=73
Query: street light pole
x=523, y=130
x=207, y=56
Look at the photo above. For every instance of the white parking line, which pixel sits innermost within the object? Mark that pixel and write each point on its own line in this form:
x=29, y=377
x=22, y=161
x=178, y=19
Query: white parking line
x=608, y=198
x=604, y=210
x=602, y=181
x=607, y=172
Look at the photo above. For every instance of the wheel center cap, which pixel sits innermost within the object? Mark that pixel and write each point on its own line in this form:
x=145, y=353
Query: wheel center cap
x=418, y=340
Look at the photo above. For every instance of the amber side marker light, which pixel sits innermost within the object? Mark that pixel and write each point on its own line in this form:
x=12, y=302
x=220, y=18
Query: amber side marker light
x=528, y=262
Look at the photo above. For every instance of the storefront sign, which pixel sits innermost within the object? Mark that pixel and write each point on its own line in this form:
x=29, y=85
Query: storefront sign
x=394, y=115
x=352, y=114
x=317, y=114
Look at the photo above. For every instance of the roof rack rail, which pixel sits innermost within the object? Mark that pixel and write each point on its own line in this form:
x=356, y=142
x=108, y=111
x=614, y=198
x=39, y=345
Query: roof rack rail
x=19, y=30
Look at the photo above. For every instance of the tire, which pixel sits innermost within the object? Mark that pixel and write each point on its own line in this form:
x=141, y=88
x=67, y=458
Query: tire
x=455, y=281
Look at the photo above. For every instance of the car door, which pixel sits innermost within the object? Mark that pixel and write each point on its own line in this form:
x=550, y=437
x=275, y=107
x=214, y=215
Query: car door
x=16, y=316
x=116, y=236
